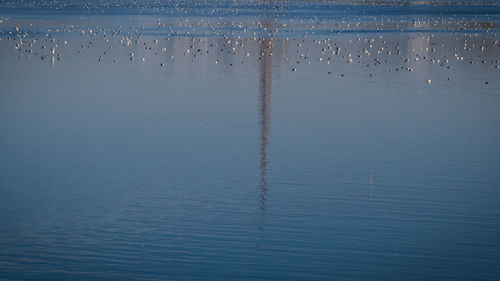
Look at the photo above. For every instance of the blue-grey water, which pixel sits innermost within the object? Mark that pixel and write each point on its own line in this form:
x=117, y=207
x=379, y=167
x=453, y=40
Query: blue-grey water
x=235, y=140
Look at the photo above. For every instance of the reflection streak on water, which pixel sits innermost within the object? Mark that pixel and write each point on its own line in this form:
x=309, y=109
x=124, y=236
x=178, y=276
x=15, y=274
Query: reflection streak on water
x=265, y=87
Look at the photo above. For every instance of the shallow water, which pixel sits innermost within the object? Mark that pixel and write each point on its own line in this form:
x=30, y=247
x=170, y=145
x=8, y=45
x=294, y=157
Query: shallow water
x=246, y=143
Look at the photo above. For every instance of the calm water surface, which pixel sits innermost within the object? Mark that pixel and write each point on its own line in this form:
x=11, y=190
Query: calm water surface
x=249, y=144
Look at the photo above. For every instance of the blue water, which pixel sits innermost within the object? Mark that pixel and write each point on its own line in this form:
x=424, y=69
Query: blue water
x=125, y=157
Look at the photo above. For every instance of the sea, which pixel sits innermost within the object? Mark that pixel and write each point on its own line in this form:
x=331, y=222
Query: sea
x=249, y=140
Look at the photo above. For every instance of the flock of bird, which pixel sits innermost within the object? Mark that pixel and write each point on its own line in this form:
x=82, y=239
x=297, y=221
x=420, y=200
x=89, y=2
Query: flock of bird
x=372, y=43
